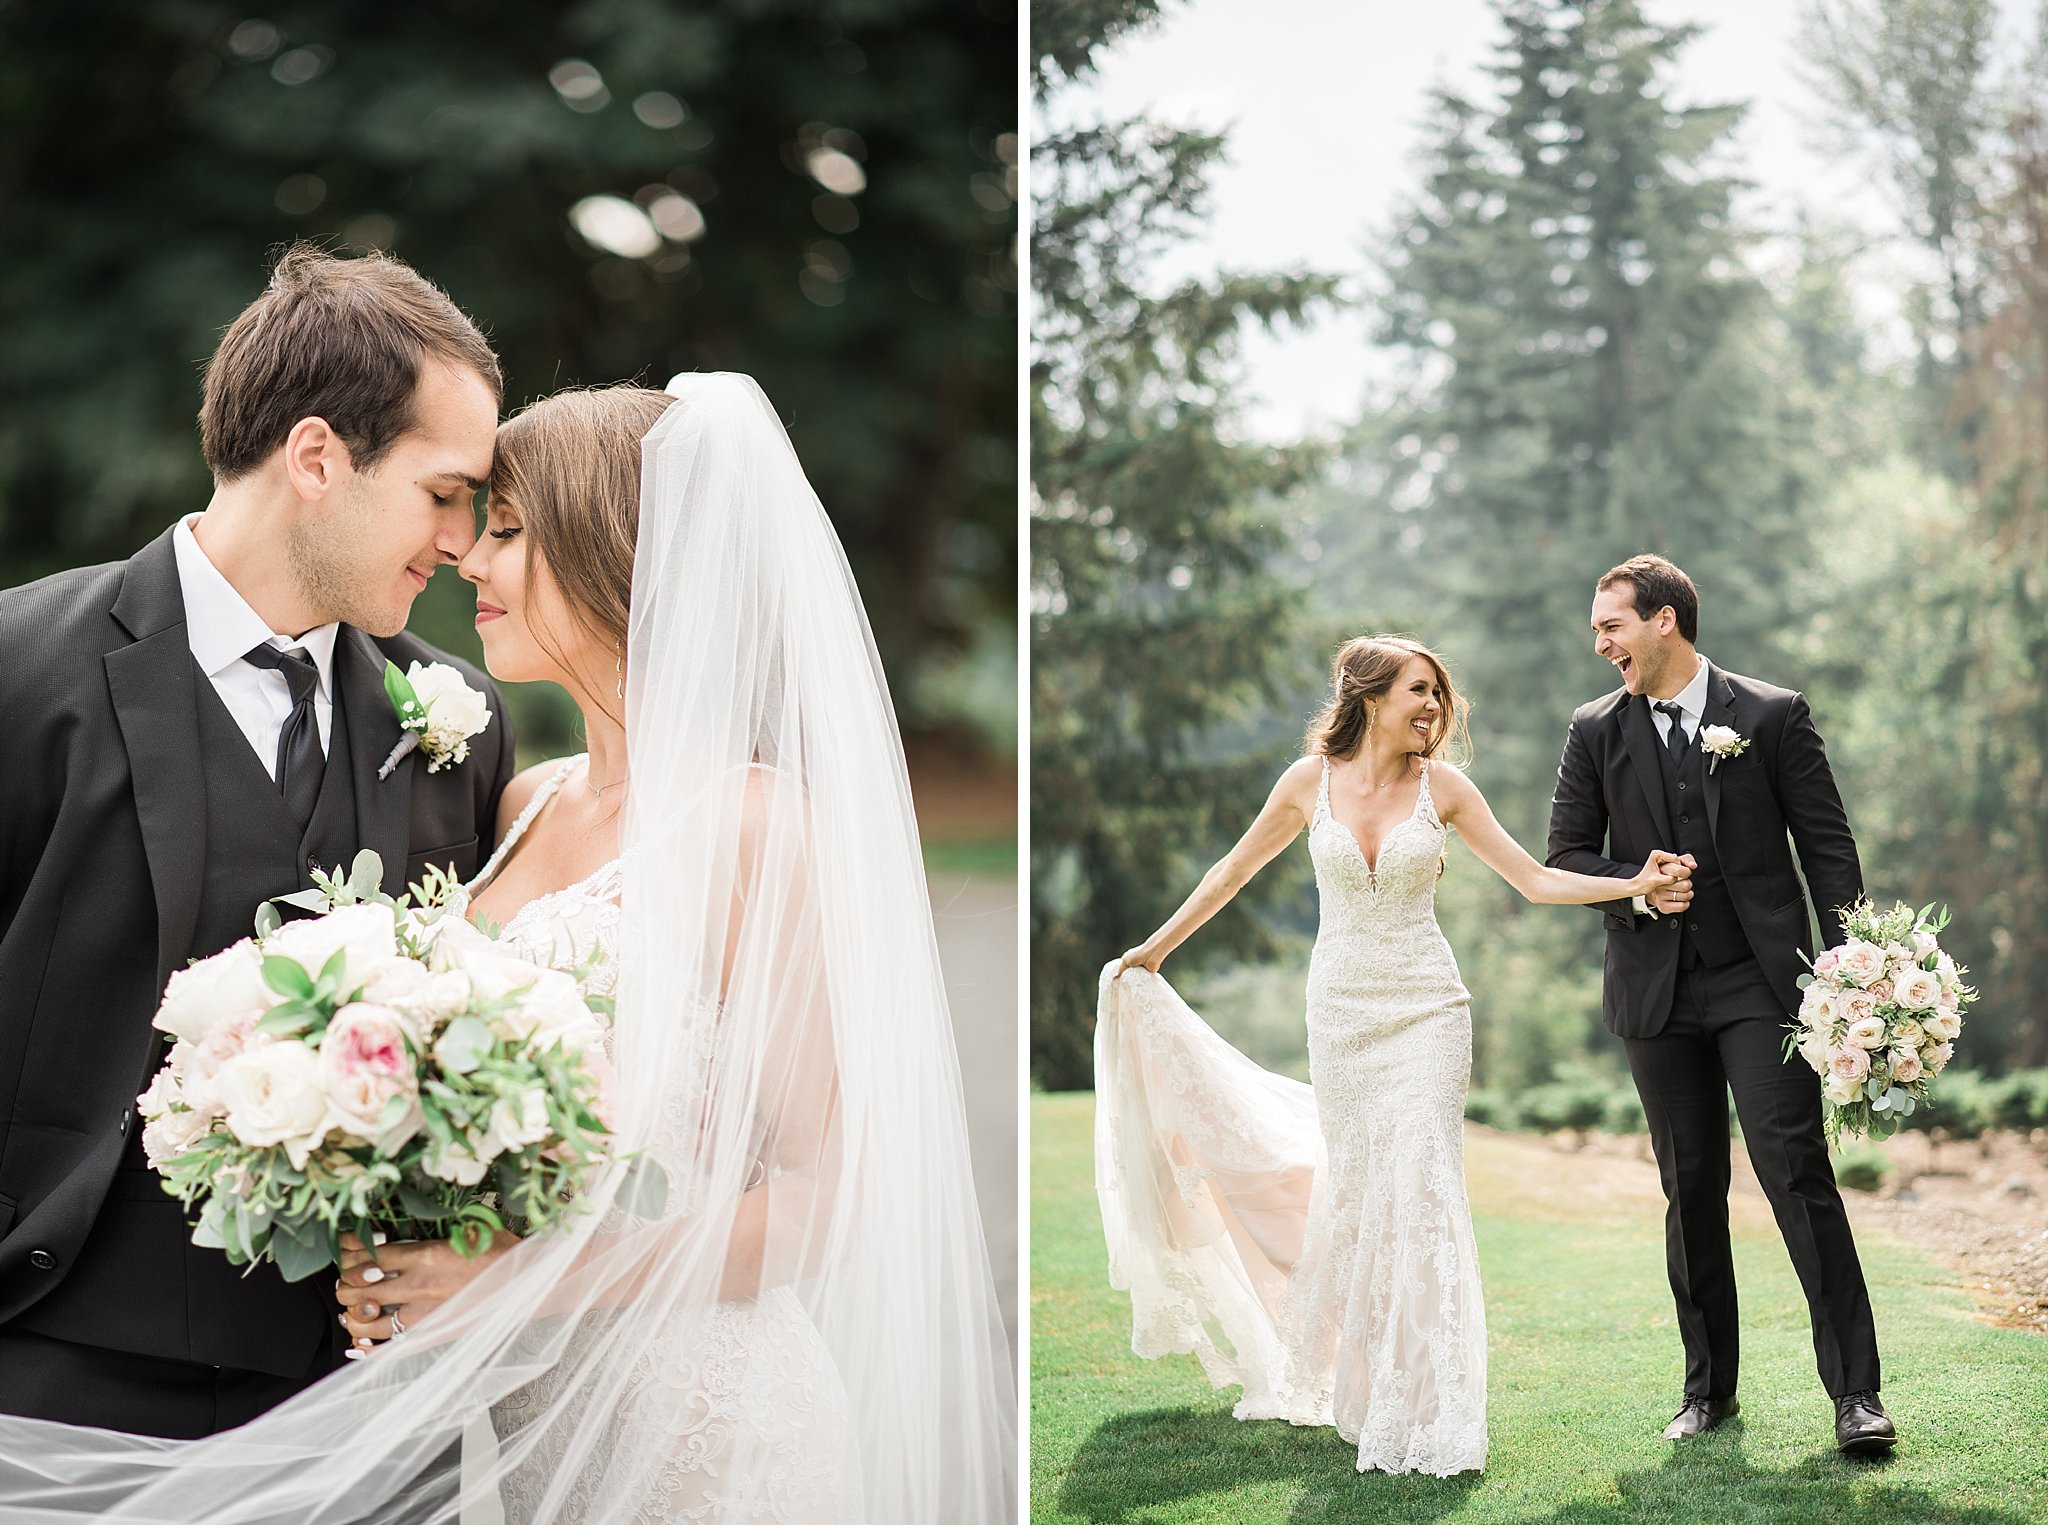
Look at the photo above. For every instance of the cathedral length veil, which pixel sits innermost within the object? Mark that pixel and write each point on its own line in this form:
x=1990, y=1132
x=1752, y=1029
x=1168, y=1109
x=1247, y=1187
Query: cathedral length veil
x=782, y=1047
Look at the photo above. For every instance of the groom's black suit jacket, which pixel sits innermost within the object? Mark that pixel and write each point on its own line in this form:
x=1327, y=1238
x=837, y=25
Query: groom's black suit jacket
x=1610, y=811
x=111, y=834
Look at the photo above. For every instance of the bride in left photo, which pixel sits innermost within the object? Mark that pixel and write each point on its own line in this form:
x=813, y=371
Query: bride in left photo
x=535, y=1042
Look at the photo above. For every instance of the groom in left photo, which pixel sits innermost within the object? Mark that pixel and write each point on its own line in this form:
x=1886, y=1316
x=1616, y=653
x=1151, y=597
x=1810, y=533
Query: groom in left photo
x=184, y=736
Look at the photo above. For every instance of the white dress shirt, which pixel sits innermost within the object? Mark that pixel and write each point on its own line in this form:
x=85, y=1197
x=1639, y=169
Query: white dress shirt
x=1692, y=706
x=220, y=627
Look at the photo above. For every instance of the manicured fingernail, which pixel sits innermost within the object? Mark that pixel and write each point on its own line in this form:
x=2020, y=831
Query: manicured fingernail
x=373, y=1275
x=371, y=1310
x=364, y=1342
x=352, y=1355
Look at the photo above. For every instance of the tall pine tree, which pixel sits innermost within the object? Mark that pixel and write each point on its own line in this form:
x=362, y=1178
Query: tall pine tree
x=1154, y=619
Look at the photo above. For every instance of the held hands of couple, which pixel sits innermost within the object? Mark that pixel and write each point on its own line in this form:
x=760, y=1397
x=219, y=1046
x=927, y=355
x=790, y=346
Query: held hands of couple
x=1666, y=881
x=412, y=1278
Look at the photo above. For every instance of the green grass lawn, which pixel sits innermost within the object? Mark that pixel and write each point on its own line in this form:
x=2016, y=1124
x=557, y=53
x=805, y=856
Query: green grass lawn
x=1584, y=1370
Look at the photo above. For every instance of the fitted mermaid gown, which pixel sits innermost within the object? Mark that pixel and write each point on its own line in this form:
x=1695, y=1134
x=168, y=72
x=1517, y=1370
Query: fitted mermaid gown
x=1312, y=1244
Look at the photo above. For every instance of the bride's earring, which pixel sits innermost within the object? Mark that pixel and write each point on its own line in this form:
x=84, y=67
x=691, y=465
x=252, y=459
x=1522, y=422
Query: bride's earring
x=619, y=667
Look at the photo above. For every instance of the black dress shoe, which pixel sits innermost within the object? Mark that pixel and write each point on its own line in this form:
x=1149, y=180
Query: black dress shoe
x=1862, y=1428
x=1699, y=1415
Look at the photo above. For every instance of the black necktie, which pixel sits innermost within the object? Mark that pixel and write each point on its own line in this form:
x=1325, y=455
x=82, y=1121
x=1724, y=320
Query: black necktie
x=300, y=762
x=1674, y=738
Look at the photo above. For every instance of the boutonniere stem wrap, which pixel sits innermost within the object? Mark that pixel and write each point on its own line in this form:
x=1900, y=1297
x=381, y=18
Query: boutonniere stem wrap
x=1719, y=741
x=438, y=712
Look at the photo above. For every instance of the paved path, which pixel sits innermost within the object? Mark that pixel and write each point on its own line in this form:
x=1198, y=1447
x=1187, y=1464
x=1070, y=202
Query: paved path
x=977, y=925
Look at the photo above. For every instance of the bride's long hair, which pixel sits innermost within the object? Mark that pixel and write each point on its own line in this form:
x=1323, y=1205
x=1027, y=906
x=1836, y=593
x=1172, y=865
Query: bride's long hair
x=782, y=1048
x=1365, y=670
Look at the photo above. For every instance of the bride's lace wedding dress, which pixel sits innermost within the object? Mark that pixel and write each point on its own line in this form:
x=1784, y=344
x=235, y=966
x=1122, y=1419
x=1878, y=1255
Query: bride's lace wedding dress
x=754, y=1373
x=1312, y=1244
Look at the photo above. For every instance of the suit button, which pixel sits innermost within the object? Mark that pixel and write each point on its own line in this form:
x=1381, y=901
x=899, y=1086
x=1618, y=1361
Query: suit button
x=1694, y=925
x=42, y=1260
x=313, y=863
x=1681, y=784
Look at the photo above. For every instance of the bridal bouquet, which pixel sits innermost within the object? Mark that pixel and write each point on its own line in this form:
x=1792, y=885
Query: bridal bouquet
x=381, y=1068
x=1880, y=1018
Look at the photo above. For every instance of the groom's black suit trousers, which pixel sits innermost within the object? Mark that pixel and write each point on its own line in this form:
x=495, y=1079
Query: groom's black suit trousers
x=1725, y=1034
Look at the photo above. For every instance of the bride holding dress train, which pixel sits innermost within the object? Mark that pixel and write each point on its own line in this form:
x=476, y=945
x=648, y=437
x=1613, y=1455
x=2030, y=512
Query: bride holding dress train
x=1312, y=1244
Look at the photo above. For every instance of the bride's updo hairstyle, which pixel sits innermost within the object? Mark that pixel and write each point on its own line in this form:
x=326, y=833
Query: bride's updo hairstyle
x=570, y=465
x=1365, y=670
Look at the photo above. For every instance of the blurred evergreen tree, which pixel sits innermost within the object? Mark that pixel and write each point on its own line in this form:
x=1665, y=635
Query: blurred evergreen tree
x=818, y=193
x=1155, y=621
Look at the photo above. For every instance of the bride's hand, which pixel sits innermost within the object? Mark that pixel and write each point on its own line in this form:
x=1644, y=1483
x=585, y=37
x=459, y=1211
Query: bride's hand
x=1662, y=870
x=413, y=1278
x=1144, y=956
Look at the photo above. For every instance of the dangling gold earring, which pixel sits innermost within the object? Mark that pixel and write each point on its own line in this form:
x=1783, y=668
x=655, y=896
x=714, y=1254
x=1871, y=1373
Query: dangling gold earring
x=619, y=667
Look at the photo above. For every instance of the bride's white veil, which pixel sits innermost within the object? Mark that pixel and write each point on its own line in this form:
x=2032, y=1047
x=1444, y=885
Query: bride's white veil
x=782, y=1048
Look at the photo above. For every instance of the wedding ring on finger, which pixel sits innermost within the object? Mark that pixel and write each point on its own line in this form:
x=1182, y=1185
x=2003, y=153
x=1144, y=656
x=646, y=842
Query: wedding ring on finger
x=397, y=1324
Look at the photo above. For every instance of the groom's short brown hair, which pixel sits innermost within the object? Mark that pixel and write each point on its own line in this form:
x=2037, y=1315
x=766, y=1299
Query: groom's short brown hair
x=339, y=339
x=1658, y=582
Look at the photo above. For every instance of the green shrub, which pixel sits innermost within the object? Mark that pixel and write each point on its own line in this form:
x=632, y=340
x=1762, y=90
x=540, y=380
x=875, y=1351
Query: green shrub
x=1624, y=1113
x=1490, y=1108
x=1578, y=1104
x=1861, y=1168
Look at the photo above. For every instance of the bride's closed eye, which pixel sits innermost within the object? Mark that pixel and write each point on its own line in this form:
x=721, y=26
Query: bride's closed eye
x=504, y=534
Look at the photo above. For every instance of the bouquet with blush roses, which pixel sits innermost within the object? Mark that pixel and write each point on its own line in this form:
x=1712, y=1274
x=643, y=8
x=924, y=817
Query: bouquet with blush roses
x=1880, y=1018
x=385, y=1069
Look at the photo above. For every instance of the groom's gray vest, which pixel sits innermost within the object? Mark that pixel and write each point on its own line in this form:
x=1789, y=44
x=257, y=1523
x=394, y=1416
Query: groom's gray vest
x=141, y=1245
x=1710, y=931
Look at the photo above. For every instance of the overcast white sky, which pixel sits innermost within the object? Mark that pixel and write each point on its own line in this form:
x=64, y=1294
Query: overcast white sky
x=1325, y=101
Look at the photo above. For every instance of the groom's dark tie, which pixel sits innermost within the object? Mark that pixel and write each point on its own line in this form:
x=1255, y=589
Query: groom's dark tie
x=1674, y=737
x=300, y=762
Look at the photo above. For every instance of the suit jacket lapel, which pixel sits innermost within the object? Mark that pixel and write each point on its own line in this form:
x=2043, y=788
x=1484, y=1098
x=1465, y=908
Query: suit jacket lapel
x=383, y=806
x=1719, y=710
x=1640, y=732
x=152, y=684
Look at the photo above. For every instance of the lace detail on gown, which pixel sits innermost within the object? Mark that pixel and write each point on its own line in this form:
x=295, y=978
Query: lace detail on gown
x=753, y=1375
x=1312, y=1244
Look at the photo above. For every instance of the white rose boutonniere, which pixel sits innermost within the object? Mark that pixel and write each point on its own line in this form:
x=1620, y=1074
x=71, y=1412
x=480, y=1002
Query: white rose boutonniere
x=438, y=711
x=1719, y=741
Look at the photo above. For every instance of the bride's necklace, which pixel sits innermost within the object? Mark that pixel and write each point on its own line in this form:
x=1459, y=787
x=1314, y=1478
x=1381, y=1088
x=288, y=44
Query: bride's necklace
x=597, y=791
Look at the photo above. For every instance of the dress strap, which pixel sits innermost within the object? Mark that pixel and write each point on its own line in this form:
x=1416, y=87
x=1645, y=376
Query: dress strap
x=1424, y=805
x=523, y=820
x=1323, y=791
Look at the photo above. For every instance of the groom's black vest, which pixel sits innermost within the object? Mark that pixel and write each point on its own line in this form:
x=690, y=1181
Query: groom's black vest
x=1710, y=932
x=140, y=1249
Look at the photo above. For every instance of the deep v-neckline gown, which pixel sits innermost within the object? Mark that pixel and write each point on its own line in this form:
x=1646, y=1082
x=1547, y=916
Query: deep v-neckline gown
x=1312, y=1244
x=754, y=1374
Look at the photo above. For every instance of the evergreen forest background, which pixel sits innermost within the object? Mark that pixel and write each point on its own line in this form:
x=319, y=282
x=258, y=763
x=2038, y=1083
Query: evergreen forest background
x=1597, y=356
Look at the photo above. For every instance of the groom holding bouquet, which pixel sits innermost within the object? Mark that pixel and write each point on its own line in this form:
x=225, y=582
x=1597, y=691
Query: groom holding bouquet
x=1700, y=983
x=188, y=734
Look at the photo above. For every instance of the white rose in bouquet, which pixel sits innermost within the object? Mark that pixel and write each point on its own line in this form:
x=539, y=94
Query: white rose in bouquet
x=437, y=999
x=1817, y=1006
x=1853, y=1006
x=512, y=1127
x=199, y=1064
x=1917, y=989
x=364, y=1062
x=367, y=932
x=170, y=1134
x=211, y=991
x=1865, y=1033
x=1813, y=1048
x=1923, y=944
x=273, y=1095
x=1849, y=1065
x=1861, y=962
x=1839, y=1091
x=452, y=1163
x=1942, y=1025
x=551, y=1012
x=1907, y=1033
x=451, y=941
x=1937, y=1057
x=393, y=981
x=1905, y=1065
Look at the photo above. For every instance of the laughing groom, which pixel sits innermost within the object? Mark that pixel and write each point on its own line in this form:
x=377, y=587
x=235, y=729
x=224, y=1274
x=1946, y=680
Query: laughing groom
x=1700, y=984
x=187, y=734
